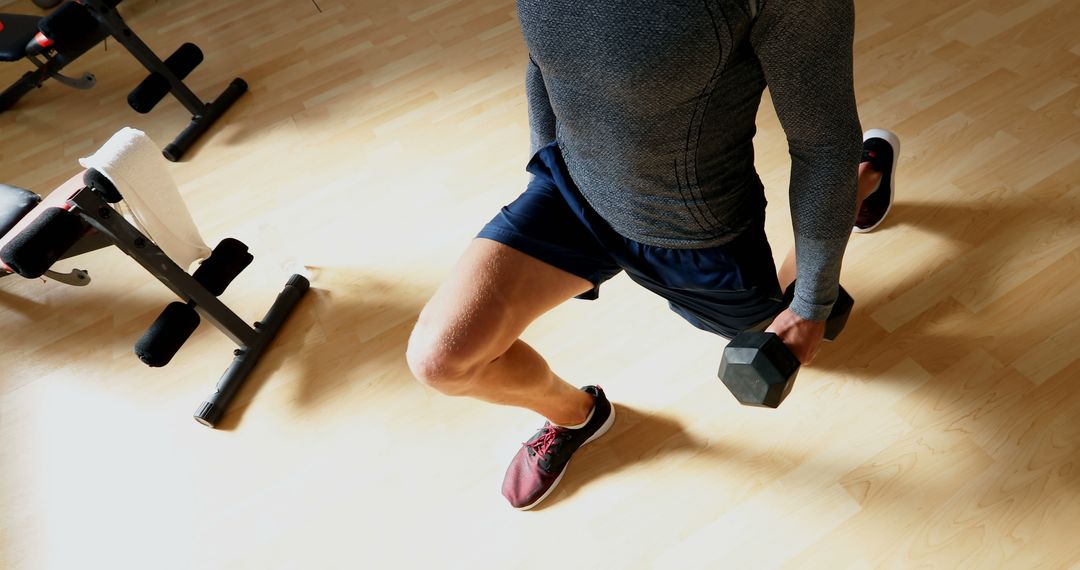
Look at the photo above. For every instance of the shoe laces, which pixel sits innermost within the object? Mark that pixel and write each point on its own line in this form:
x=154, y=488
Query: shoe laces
x=549, y=435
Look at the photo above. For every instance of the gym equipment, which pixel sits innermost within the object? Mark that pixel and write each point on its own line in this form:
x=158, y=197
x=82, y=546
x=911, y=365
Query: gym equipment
x=15, y=204
x=176, y=323
x=54, y=41
x=758, y=368
x=77, y=217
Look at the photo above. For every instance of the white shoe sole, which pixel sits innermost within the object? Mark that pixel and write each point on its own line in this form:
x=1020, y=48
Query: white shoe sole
x=894, y=141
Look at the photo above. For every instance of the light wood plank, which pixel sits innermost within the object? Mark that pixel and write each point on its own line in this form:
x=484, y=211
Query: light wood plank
x=939, y=431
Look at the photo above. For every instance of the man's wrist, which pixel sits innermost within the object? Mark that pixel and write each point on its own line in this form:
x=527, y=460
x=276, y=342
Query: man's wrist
x=810, y=311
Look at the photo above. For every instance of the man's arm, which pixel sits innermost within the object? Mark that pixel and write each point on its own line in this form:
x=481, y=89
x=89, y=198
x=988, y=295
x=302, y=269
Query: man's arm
x=541, y=116
x=805, y=51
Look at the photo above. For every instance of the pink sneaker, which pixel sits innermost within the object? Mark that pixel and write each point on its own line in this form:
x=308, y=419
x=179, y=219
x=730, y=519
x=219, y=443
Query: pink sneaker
x=541, y=462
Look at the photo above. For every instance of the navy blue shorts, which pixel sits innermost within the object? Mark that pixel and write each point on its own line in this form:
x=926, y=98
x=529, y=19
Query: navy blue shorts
x=723, y=290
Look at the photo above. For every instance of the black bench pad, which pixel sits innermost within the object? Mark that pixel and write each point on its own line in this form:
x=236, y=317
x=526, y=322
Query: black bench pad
x=14, y=204
x=16, y=30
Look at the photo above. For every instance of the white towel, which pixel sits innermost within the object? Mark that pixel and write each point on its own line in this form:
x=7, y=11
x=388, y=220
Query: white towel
x=133, y=163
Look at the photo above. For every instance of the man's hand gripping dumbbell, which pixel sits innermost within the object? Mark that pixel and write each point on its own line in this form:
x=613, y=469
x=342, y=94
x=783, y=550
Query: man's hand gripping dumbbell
x=759, y=369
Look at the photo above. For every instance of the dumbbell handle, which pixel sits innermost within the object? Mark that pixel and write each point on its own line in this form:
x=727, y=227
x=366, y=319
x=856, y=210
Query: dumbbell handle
x=837, y=318
x=759, y=369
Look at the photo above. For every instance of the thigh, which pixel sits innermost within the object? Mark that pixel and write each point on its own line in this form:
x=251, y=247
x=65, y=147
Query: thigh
x=490, y=297
x=554, y=227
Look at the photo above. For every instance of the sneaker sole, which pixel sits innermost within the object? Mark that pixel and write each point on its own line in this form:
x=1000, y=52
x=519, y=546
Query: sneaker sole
x=599, y=432
x=894, y=142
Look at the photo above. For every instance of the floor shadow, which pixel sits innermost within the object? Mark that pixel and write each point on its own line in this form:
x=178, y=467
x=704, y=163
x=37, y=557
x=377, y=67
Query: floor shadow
x=345, y=334
x=970, y=226
x=946, y=327
x=67, y=307
x=636, y=437
x=349, y=329
x=24, y=306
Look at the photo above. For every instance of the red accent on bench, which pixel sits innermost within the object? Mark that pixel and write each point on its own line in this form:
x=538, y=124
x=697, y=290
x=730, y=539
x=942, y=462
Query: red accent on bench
x=43, y=40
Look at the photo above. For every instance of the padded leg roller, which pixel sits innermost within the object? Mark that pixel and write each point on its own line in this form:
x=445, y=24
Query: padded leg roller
x=225, y=263
x=167, y=334
x=43, y=242
x=175, y=325
x=101, y=184
x=155, y=87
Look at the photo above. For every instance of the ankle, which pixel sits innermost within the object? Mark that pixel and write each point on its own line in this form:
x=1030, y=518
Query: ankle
x=869, y=181
x=577, y=413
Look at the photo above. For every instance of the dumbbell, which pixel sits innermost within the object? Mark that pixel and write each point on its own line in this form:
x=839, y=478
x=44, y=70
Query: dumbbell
x=759, y=369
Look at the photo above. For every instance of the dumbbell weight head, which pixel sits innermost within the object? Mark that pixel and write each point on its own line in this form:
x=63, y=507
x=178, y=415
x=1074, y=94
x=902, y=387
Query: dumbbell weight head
x=839, y=315
x=758, y=369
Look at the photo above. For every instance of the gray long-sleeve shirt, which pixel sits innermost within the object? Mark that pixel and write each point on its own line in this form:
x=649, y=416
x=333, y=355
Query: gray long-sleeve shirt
x=654, y=102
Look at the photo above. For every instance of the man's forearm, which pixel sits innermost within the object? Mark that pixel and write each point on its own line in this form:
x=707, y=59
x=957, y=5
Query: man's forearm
x=824, y=184
x=818, y=276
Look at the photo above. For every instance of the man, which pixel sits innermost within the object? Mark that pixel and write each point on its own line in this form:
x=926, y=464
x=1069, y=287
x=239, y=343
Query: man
x=642, y=116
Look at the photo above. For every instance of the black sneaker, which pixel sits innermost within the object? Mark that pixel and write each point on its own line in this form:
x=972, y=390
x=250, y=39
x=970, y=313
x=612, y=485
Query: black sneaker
x=881, y=148
x=541, y=462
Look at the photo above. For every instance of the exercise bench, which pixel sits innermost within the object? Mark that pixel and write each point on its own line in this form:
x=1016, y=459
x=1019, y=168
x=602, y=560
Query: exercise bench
x=54, y=41
x=78, y=217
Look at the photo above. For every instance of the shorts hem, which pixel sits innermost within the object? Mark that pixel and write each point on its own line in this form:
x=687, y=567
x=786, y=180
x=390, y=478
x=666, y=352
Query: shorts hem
x=543, y=252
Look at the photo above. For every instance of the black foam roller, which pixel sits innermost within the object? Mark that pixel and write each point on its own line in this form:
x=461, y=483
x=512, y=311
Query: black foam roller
x=228, y=259
x=71, y=25
x=43, y=242
x=98, y=182
x=155, y=87
x=167, y=334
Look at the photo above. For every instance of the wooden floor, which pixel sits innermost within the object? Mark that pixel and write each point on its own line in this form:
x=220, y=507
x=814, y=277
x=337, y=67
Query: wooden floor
x=942, y=430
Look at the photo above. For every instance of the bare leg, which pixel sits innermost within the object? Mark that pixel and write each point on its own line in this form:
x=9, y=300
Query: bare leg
x=868, y=182
x=466, y=340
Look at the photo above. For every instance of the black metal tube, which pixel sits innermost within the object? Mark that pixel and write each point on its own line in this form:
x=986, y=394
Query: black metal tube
x=106, y=220
x=213, y=409
x=23, y=85
x=110, y=19
x=200, y=123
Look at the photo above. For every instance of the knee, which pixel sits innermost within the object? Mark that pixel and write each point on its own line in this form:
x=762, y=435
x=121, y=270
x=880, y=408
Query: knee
x=434, y=362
